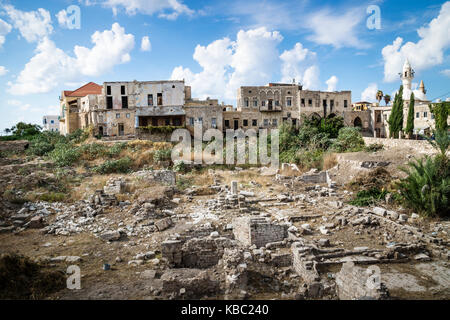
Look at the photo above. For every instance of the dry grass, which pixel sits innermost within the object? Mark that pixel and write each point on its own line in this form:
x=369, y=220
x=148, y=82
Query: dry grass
x=329, y=161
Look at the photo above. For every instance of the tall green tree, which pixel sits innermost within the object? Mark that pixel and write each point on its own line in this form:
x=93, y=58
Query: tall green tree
x=396, y=118
x=410, y=121
x=440, y=112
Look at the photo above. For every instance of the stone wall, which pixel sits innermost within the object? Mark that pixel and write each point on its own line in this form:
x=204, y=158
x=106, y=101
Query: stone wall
x=420, y=146
x=257, y=231
x=352, y=284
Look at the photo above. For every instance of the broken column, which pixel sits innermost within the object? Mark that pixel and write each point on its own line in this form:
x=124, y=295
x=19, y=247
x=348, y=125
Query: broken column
x=234, y=187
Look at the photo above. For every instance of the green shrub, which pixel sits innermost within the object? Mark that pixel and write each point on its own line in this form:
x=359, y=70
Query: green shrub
x=65, y=155
x=427, y=187
x=162, y=155
x=116, y=149
x=331, y=126
x=53, y=197
x=374, y=147
x=348, y=140
x=180, y=166
x=114, y=166
x=45, y=142
x=93, y=151
x=368, y=197
x=78, y=136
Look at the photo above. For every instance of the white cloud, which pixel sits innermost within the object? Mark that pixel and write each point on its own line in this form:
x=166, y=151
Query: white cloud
x=427, y=52
x=338, y=30
x=63, y=19
x=19, y=105
x=299, y=64
x=51, y=66
x=332, y=83
x=446, y=72
x=227, y=64
x=167, y=9
x=5, y=28
x=32, y=25
x=369, y=94
x=3, y=71
x=146, y=44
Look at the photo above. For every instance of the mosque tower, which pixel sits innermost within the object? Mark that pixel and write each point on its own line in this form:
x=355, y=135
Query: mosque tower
x=407, y=75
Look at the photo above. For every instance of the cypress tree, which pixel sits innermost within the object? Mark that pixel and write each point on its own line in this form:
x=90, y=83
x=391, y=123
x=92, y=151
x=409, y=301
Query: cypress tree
x=410, y=121
x=396, y=117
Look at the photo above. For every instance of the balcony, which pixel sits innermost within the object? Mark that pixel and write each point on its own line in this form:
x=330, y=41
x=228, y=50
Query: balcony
x=271, y=109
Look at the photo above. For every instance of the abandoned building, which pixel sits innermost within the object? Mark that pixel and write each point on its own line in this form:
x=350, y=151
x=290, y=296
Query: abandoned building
x=153, y=109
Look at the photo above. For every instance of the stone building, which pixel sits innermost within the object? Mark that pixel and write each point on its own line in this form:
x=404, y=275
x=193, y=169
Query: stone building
x=50, y=123
x=277, y=103
x=137, y=109
x=70, y=105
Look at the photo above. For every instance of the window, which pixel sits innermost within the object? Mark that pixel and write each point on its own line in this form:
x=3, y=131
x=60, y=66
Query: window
x=128, y=116
x=45, y=121
x=246, y=102
x=277, y=103
x=294, y=122
x=150, y=100
x=177, y=122
x=227, y=123
x=245, y=121
x=214, y=122
x=275, y=122
x=345, y=103
x=108, y=90
x=154, y=122
x=191, y=121
x=125, y=102
x=331, y=105
x=200, y=120
x=432, y=116
x=254, y=122
x=52, y=121
x=303, y=102
x=266, y=122
x=160, y=99
x=122, y=90
x=379, y=118
x=289, y=102
x=167, y=122
x=425, y=114
x=117, y=115
x=310, y=102
x=255, y=102
x=324, y=103
x=417, y=114
x=263, y=103
x=109, y=102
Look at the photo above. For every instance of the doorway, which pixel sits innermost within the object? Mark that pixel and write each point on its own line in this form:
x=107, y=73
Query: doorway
x=121, y=129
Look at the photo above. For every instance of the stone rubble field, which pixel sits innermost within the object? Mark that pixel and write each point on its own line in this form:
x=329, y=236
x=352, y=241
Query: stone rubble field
x=250, y=234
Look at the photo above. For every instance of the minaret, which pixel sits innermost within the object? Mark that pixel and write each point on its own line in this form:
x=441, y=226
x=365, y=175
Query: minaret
x=407, y=75
x=422, y=87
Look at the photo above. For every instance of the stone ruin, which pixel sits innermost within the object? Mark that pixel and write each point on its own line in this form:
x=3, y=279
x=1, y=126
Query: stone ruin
x=258, y=231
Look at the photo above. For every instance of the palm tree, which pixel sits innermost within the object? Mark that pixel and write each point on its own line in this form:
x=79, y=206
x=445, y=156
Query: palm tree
x=387, y=99
x=379, y=96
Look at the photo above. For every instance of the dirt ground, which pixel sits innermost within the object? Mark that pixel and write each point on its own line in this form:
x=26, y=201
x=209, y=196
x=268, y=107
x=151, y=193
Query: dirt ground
x=409, y=280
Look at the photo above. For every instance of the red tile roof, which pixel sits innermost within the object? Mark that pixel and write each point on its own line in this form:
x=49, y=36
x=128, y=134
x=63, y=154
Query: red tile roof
x=89, y=88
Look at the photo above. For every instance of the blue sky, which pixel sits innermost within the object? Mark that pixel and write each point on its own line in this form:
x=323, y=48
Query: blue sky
x=216, y=46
